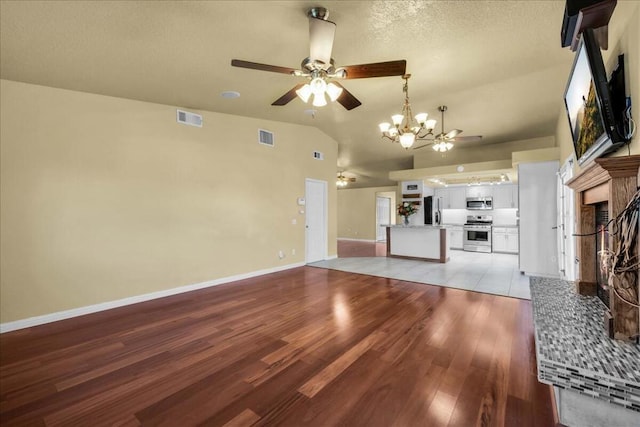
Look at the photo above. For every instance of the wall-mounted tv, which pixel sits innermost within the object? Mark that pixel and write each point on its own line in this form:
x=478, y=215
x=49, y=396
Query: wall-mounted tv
x=588, y=101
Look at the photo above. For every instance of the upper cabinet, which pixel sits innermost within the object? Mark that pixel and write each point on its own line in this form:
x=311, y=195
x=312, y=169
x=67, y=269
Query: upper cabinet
x=480, y=191
x=505, y=196
x=451, y=198
x=442, y=199
x=457, y=198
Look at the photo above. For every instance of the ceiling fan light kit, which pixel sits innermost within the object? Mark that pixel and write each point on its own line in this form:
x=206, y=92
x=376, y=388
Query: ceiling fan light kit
x=443, y=142
x=319, y=68
x=342, y=180
x=404, y=129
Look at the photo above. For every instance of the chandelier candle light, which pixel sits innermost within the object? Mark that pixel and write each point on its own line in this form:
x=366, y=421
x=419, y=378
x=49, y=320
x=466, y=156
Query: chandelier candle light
x=405, y=130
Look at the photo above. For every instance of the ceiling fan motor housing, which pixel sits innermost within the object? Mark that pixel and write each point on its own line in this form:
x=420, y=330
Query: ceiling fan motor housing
x=318, y=13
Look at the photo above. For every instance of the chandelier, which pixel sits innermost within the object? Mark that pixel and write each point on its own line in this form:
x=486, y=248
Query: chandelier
x=405, y=130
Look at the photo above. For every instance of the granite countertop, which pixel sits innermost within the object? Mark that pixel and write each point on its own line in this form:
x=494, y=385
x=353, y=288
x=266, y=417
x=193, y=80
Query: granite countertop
x=573, y=350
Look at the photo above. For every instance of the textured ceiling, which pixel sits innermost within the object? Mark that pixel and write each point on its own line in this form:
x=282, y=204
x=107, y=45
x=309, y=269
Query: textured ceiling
x=497, y=65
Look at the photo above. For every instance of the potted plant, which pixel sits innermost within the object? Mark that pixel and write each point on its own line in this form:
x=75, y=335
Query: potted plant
x=405, y=210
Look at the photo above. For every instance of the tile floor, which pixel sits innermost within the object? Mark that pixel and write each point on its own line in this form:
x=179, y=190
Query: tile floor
x=496, y=274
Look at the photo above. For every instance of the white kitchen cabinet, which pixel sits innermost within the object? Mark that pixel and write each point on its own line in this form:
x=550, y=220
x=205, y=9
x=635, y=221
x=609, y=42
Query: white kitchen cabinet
x=456, y=236
x=505, y=239
x=442, y=194
x=452, y=198
x=457, y=198
x=505, y=196
x=512, y=240
x=480, y=191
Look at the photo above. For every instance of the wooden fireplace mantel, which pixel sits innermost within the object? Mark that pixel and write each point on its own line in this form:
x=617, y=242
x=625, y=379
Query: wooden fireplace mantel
x=613, y=180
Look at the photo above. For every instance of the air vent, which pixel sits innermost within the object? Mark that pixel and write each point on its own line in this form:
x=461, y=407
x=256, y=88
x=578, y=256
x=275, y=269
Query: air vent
x=318, y=155
x=265, y=137
x=188, y=118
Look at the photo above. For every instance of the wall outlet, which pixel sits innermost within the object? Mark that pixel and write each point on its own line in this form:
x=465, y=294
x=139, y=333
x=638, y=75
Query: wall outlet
x=281, y=254
x=293, y=251
x=294, y=221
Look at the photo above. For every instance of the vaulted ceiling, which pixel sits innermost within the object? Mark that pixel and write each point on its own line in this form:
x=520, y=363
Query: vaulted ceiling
x=497, y=65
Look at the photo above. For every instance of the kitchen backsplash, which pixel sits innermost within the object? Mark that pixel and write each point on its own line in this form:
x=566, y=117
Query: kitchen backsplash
x=500, y=216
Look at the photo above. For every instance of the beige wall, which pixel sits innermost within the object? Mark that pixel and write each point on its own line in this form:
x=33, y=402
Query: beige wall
x=480, y=153
x=624, y=38
x=357, y=212
x=104, y=198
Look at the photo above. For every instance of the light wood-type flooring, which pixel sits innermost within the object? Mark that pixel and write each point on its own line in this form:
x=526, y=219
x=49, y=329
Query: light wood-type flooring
x=306, y=346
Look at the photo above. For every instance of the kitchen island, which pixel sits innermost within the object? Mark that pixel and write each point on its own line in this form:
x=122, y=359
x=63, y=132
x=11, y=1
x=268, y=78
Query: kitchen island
x=423, y=242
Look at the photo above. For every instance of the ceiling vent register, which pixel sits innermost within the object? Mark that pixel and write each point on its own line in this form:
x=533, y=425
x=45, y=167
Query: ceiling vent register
x=188, y=118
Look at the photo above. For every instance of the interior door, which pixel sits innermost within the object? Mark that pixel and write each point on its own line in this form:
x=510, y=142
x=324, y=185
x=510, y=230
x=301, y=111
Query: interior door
x=383, y=216
x=316, y=220
x=566, y=224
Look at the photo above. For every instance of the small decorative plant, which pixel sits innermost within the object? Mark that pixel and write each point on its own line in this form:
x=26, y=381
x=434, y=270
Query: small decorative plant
x=406, y=209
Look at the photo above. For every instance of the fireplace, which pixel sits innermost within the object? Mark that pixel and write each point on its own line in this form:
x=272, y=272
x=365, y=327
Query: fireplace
x=602, y=246
x=603, y=190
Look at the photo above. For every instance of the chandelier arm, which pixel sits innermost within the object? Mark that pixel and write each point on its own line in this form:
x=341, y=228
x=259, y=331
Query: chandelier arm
x=424, y=135
x=393, y=139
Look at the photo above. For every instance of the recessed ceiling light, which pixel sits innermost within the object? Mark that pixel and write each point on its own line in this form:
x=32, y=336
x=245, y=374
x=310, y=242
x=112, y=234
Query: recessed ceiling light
x=460, y=168
x=230, y=94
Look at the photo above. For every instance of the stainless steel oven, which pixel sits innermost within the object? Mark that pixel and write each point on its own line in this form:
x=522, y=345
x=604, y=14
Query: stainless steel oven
x=477, y=233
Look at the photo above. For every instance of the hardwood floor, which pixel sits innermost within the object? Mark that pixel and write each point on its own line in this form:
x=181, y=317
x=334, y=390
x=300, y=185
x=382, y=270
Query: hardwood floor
x=353, y=248
x=307, y=346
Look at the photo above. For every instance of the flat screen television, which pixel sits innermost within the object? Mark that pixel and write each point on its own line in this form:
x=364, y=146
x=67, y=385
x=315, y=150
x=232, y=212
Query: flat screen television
x=589, y=103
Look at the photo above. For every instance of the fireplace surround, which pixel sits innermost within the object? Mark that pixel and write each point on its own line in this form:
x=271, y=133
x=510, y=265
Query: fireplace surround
x=613, y=181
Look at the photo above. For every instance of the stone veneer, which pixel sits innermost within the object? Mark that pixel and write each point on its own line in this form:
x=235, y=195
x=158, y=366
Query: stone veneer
x=573, y=350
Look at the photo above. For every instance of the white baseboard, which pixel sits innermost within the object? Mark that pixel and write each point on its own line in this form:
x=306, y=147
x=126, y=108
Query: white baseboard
x=356, y=240
x=81, y=311
x=331, y=257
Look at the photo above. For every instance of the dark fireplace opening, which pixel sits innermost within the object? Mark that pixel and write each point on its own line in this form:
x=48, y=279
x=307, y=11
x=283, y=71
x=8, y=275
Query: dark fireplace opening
x=602, y=245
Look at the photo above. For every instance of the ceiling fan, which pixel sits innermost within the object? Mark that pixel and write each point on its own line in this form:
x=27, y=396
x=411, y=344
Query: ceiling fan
x=444, y=141
x=343, y=180
x=319, y=67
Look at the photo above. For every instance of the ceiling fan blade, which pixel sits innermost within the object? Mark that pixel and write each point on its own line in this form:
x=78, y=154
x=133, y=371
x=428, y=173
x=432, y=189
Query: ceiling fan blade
x=347, y=100
x=466, y=138
x=262, y=67
x=422, y=146
x=351, y=179
x=377, y=69
x=452, y=133
x=288, y=97
x=321, y=34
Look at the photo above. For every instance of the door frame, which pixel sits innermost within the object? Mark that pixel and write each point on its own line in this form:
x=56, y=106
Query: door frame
x=378, y=218
x=325, y=216
x=566, y=229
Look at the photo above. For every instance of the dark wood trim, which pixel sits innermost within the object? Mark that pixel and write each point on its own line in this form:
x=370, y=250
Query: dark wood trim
x=586, y=288
x=443, y=245
x=388, y=241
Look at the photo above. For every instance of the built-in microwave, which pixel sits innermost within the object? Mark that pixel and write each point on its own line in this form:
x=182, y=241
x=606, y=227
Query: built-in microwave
x=479, y=203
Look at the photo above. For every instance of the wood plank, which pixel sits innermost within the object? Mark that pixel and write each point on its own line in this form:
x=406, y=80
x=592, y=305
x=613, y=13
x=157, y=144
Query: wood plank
x=364, y=351
x=596, y=194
